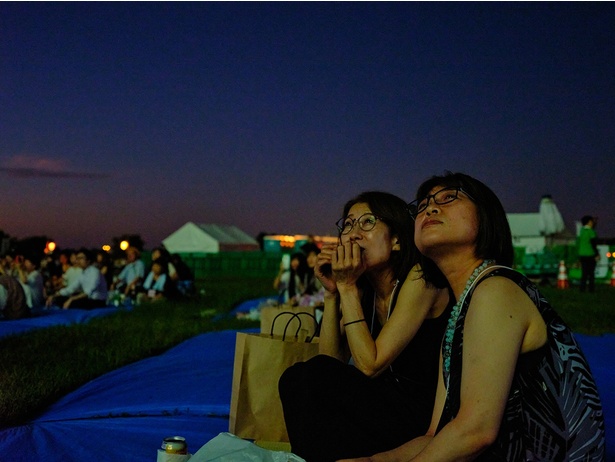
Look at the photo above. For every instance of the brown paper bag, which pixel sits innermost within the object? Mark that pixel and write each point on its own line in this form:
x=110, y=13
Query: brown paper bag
x=305, y=324
x=260, y=360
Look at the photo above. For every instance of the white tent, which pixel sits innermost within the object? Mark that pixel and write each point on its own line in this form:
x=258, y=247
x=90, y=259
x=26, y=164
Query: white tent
x=527, y=231
x=209, y=238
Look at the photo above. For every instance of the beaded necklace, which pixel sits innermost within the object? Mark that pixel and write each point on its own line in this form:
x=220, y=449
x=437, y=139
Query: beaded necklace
x=452, y=321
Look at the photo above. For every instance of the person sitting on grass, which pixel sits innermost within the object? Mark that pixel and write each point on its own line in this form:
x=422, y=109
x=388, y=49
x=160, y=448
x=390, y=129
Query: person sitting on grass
x=158, y=285
x=130, y=279
x=290, y=282
x=89, y=291
x=12, y=299
x=185, y=278
x=71, y=271
x=105, y=265
x=29, y=275
x=514, y=384
x=373, y=385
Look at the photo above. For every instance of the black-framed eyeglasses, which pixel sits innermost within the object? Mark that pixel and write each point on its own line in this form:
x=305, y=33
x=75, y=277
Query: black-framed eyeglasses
x=366, y=222
x=441, y=197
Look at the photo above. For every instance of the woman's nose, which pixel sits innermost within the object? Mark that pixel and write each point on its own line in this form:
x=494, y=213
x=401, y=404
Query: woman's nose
x=432, y=208
x=355, y=232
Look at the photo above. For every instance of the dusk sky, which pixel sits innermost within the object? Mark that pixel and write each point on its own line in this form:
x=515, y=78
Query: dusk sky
x=135, y=118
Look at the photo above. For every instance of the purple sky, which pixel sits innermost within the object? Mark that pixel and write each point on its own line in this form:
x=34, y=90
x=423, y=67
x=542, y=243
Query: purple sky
x=138, y=117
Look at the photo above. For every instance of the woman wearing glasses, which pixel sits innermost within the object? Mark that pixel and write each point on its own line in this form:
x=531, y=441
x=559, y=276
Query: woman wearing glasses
x=383, y=315
x=514, y=384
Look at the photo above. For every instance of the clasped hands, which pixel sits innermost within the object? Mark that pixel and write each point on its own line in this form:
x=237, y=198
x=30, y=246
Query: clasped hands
x=339, y=264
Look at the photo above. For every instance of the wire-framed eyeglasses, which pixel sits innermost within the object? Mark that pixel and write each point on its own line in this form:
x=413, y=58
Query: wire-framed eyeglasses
x=441, y=197
x=366, y=222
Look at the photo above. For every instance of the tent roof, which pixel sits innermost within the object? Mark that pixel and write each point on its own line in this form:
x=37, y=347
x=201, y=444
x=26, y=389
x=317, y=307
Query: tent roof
x=529, y=225
x=209, y=238
x=227, y=234
x=524, y=224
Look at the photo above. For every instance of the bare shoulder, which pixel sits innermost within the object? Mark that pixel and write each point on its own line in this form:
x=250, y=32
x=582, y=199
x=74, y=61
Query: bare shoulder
x=499, y=293
x=500, y=301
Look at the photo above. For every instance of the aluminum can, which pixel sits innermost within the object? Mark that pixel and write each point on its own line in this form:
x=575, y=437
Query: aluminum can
x=175, y=445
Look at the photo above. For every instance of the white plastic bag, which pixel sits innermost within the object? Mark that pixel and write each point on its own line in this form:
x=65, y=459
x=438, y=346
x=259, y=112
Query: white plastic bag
x=227, y=447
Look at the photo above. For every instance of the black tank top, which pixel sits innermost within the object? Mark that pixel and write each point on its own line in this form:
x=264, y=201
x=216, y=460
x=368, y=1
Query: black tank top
x=419, y=361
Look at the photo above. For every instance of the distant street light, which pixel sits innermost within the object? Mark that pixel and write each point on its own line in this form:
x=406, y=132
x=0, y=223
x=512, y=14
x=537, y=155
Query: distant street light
x=106, y=248
x=50, y=247
x=124, y=245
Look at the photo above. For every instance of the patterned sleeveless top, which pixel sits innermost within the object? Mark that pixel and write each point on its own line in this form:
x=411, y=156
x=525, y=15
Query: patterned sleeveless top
x=553, y=411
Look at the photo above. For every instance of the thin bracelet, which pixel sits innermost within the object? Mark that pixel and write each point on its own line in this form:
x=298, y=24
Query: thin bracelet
x=354, y=322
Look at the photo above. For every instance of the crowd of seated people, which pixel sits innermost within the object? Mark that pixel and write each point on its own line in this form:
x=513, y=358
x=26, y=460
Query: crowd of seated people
x=176, y=269
x=168, y=277
x=22, y=284
x=88, y=291
x=87, y=279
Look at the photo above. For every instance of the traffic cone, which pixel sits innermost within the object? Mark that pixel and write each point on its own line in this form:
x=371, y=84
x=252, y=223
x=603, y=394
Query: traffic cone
x=562, y=277
x=613, y=274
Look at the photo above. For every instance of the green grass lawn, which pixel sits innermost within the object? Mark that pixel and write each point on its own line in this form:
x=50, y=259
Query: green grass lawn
x=40, y=367
x=586, y=313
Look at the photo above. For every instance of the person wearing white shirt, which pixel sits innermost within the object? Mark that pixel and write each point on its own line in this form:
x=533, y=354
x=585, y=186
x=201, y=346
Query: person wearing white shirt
x=89, y=291
x=70, y=269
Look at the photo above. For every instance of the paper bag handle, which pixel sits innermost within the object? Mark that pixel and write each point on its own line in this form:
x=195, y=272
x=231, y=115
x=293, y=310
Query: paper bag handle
x=292, y=316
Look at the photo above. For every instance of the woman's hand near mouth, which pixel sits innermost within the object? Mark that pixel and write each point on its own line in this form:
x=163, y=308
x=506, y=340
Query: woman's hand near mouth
x=323, y=270
x=347, y=263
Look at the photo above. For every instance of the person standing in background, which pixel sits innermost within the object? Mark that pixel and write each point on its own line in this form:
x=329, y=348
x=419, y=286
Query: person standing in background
x=588, y=252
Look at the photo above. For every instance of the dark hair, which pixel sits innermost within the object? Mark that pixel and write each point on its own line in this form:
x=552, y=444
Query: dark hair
x=106, y=258
x=301, y=271
x=163, y=263
x=310, y=247
x=163, y=252
x=66, y=252
x=34, y=258
x=88, y=254
x=302, y=261
x=392, y=210
x=586, y=219
x=494, y=238
x=183, y=271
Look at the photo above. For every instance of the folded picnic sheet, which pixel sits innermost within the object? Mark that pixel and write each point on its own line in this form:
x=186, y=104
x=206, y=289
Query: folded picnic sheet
x=125, y=414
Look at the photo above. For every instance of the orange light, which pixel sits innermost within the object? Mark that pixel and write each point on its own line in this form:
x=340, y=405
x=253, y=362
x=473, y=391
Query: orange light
x=287, y=241
x=106, y=248
x=124, y=245
x=50, y=247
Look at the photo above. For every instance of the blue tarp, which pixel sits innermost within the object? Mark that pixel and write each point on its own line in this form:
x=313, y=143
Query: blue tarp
x=124, y=414
x=42, y=318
